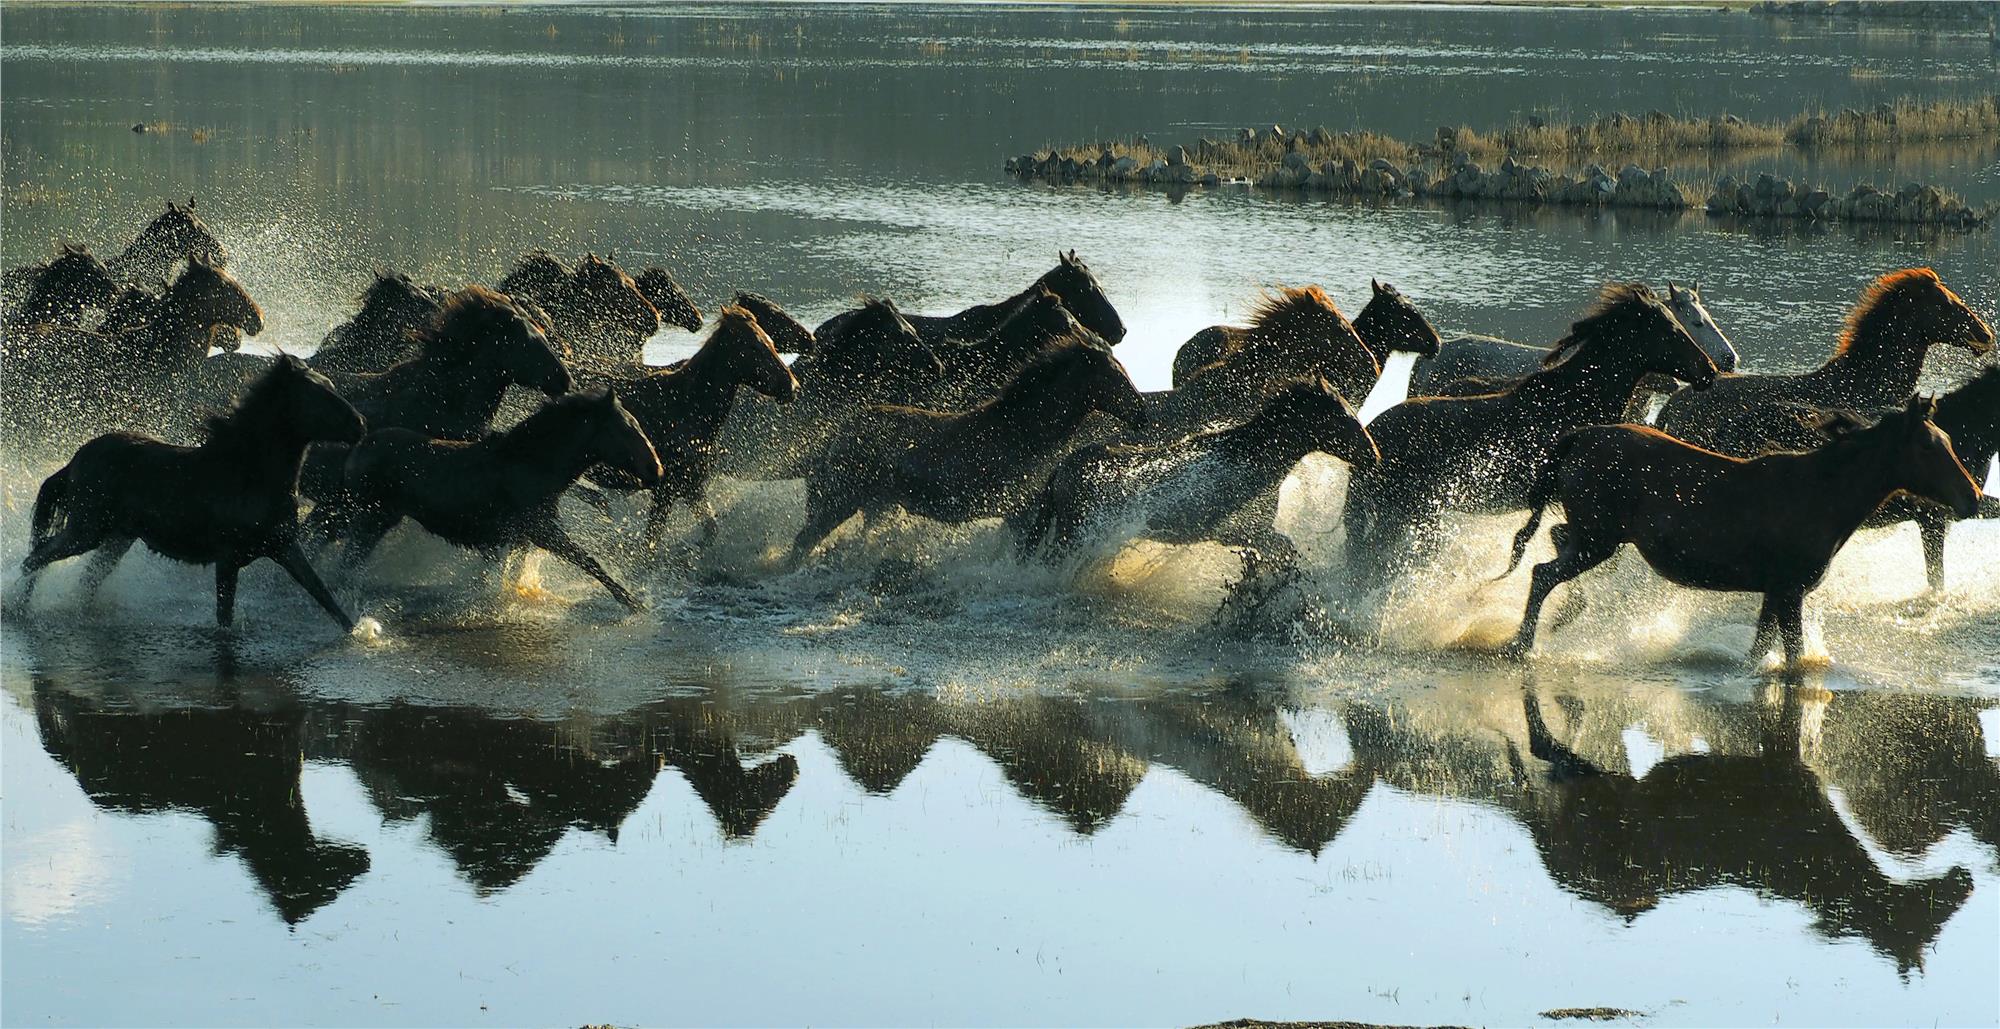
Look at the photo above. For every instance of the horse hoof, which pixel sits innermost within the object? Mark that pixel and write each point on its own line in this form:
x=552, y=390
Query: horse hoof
x=1515, y=650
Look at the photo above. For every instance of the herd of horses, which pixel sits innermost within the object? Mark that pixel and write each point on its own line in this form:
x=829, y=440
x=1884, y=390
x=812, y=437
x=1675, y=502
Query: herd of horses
x=474, y=412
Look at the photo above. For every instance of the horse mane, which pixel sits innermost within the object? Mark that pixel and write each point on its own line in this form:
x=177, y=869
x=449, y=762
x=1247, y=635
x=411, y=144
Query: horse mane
x=1275, y=310
x=233, y=422
x=1049, y=369
x=737, y=313
x=1875, y=301
x=460, y=308
x=1613, y=299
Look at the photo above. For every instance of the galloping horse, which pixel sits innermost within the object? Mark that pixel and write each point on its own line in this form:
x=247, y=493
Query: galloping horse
x=1071, y=280
x=176, y=235
x=1482, y=453
x=682, y=410
x=1387, y=323
x=787, y=333
x=596, y=311
x=61, y=290
x=498, y=493
x=1970, y=415
x=877, y=359
x=956, y=467
x=1296, y=333
x=144, y=375
x=974, y=371
x=227, y=502
x=478, y=345
x=383, y=332
x=1194, y=489
x=664, y=292
x=1876, y=363
x=1709, y=521
x=1472, y=364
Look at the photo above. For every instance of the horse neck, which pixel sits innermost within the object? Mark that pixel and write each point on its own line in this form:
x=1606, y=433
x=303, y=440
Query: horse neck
x=1042, y=418
x=1368, y=325
x=1853, y=476
x=982, y=320
x=1970, y=415
x=263, y=439
x=1262, y=441
x=1880, y=365
x=171, y=333
x=1596, y=381
x=469, y=389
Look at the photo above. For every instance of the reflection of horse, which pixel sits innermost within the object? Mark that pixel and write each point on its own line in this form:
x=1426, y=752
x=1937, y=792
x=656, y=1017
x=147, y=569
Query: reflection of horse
x=1698, y=821
x=1876, y=363
x=235, y=768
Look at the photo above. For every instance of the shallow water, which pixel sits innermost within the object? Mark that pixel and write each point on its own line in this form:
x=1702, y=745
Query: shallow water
x=917, y=782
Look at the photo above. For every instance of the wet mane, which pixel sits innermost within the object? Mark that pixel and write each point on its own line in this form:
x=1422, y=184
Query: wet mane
x=461, y=311
x=1614, y=299
x=1049, y=371
x=1290, y=304
x=1876, y=298
x=246, y=419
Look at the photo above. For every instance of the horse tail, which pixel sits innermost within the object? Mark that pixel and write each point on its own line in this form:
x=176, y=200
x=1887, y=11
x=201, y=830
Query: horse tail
x=49, y=503
x=1538, y=502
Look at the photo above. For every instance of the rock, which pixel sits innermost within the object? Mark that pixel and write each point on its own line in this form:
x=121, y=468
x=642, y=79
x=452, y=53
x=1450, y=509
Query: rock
x=1730, y=119
x=1508, y=165
x=1157, y=171
x=1419, y=182
x=1536, y=121
x=1371, y=181
x=1180, y=173
x=1320, y=182
x=1122, y=169
x=1815, y=204
x=1211, y=180
x=1722, y=201
x=141, y=127
x=1320, y=136
x=1277, y=134
x=1632, y=173
x=1460, y=159
x=1246, y=136
x=1177, y=157
x=1296, y=162
x=1447, y=139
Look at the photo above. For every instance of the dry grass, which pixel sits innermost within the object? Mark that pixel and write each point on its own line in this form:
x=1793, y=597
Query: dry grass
x=1616, y=134
x=1905, y=121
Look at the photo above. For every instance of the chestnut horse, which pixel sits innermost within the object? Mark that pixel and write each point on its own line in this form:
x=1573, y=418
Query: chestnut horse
x=1709, y=521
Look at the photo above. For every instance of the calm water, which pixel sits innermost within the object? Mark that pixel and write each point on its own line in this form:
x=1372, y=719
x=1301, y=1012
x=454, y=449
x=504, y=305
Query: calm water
x=916, y=783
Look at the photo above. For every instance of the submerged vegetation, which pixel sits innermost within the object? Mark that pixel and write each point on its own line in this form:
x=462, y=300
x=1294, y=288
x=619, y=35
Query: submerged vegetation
x=1368, y=163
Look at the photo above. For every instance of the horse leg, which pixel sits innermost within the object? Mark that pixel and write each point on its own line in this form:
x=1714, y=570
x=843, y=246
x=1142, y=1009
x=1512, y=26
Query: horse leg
x=550, y=537
x=1792, y=625
x=74, y=539
x=102, y=563
x=1767, y=629
x=1933, y=529
x=293, y=560
x=656, y=519
x=363, y=535
x=823, y=515
x=1577, y=556
x=225, y=592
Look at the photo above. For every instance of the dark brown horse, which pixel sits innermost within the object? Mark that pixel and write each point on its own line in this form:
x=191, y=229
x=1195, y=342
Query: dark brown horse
x=479, y=344
x=176, y=235
x=1705, y=520
x=1387, y=323
x=143, y=376
x=1970, y=415
x=595, y=310
x=975, y=371
x=1070, y=279
x=878, y=358
x=682, y=410
x=1876, y=363
x=664, y=292
x=1295, y=333
x=61, y=290
x=227, y=502
x=1194, y=489
x=499, y=493
x=1482, y=454
x=393, y=309
x=787, y=333
x=957, y=467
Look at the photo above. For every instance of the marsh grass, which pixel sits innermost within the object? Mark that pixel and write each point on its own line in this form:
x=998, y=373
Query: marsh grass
x=1905, y=121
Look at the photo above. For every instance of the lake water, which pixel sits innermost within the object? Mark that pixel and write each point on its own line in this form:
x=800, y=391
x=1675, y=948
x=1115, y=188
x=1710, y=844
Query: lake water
x=917, y=783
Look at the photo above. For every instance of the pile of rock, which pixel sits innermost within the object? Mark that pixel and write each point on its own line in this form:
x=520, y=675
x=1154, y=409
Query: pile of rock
x=1772, y=197
x=1051, y=166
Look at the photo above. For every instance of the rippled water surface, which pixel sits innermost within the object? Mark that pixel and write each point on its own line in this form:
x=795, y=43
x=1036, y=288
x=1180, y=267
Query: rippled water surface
x=917, y=783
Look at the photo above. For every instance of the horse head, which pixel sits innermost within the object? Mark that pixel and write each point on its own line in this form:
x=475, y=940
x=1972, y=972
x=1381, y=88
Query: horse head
x=787, y=333
x=1629, y=316
x=875, y=342
x=1302, y=328
x=1924, y=459
x=321, y=414
x=1389, y=321
x=1940, y=316
x=395, y=298
x=78, y=275
x=1098, y=378
x=490, y=327
x=618, y=440
x=664, y=292
x=537, y=274
x=210, y=298
x=1072, y=280
x=180, y=233
x=749, y=356
x=1685, y=302
x=607, y=296
x=1313, y=410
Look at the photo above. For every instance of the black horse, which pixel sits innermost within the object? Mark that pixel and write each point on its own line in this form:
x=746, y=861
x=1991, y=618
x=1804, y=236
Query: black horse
x=957, y=467
x=177, y=235
x=1197, y=488
x=61, y=290
x=1070, y=280
x=394, y=309
x=227, y=502
x=664, y=292
x=497, y=494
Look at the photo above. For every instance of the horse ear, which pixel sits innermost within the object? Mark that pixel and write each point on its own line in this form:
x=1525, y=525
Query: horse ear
x=1925, y=408
x=1376, y=286
x=190, y=202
